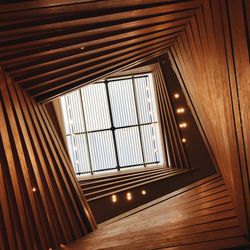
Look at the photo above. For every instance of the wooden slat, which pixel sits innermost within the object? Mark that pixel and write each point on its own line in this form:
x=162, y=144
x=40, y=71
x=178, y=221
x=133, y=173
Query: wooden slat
x=45, y=40
x=72, y=6
x=87, y=65
x=41, y=48
x=171, y=226
x=213, y=85
x=178, y=156
x=133, y=184
x=45, y=94
x=45, y=208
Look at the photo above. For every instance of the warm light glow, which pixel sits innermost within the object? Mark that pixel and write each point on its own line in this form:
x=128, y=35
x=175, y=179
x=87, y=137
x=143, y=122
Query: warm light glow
x=184, y=140
x=183, y=125
x=143, y=192
x=82, y=48
x=180, y=110
x=34, y=189
x=129, y=196
x=114, y=198
x=176, y=95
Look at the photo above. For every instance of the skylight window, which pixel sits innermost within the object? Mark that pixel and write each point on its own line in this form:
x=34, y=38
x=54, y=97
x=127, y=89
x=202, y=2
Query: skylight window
x=112, y=125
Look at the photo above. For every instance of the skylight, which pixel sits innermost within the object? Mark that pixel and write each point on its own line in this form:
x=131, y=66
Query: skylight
x=112, y=125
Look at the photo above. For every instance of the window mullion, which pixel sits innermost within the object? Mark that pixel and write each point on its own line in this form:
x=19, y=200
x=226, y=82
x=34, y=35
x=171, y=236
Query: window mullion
x=138, y=120
x=112, y=126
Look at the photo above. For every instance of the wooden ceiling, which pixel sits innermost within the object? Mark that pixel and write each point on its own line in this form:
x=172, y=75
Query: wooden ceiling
x=52, y=47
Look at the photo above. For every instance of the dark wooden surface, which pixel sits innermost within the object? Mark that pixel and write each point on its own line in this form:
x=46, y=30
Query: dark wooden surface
x=41, y=204
x=48, y=48
x=199, y=216
x=170, y=127
x=212, y=59
x=97, y=187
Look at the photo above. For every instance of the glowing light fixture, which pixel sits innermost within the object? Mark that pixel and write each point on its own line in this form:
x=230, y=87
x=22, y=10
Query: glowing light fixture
x=176, y=95
x=34, y=189
x=184, y=140
x=114, y=198
x=129, y=196
x=180, y=110
x=143, y=192
x=183, y=125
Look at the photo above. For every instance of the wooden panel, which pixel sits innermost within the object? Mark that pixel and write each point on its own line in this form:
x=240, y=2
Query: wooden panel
x=40, y=199
x=94, y=188
x=49, y=48
x=197, y=218
x=170, y=129
x=212, y=57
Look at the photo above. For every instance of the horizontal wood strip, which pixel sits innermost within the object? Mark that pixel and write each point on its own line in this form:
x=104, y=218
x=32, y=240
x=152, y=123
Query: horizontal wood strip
x=89, y=185
x=133, y=185
x=48, y=93
x=170, y=225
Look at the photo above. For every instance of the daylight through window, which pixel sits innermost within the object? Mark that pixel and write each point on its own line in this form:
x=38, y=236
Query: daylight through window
x=112, y=125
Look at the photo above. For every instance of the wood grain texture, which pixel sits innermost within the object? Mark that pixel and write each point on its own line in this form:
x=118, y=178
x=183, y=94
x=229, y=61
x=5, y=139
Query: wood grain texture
x=212, y=58
x=41, y=202
x=199, y=216
x=97, y=187
x=48, y=48
x=170, y=130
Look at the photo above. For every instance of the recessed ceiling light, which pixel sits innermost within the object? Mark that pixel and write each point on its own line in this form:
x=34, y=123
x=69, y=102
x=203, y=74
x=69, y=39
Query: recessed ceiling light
x=114, y=198
x=180, y=110
x=129, y=196
x=176, y=95
x=183, y=125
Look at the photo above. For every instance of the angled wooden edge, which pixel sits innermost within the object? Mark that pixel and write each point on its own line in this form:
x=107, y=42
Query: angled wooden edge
x=121, y=189
x=192, y=108
x=163, y=198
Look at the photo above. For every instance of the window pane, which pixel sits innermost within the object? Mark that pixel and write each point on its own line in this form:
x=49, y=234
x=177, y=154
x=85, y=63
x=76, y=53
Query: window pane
x=102, y=150
x=96, y=107
x=128, y=146
x=150, y=143
x=87, y=111
x=72, y=113
x=122, y=103
x=79, y=154
x=145, y=99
